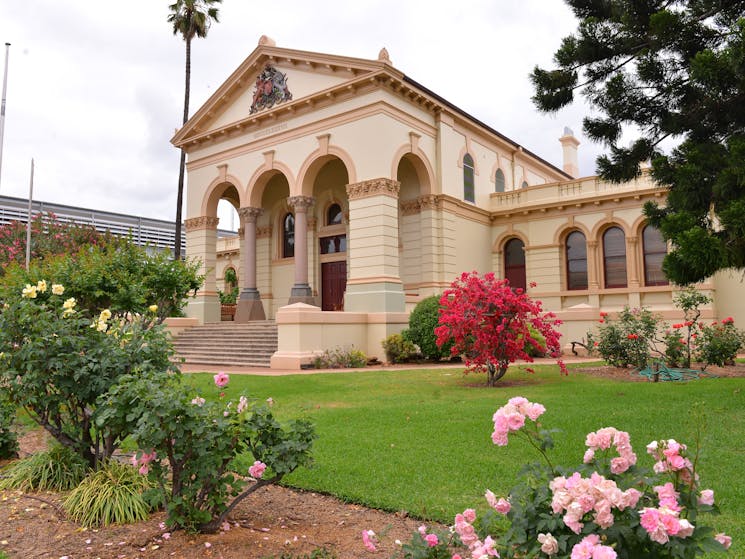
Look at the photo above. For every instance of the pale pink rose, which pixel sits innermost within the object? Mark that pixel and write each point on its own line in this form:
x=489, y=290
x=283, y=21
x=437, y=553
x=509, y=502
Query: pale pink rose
x=724, y=539
x=369, y=539
x=491, y=499
x=499, y=438
x=589, y=456
x=515, y=421
x=242, y=404
x=257, y=469
x=584, y=549
x=503, y=506
x=706, y=497
x=198, y=401
x=423, y=529
x=686, y=528
x=604, y=552
x=629, y=498
x=518, y=401
x=166, y=535
x=619, y=465
x=431, y=540
x=469, y=515
x=534, y=411
x=549, y=544
x=221, y=379
x=676, y=462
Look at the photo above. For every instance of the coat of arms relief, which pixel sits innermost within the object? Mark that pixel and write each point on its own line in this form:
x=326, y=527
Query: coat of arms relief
x=271, y=89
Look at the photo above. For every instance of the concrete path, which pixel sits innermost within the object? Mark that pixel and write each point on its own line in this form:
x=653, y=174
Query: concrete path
x=262, y=371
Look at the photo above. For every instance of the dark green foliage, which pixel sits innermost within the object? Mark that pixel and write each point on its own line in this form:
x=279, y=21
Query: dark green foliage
x=628, y=340
x=674, y=71
x=422, y=323
x=340, y=358
x=8, y=438
x=111, y=495
x=57, y=469
x=399, y=349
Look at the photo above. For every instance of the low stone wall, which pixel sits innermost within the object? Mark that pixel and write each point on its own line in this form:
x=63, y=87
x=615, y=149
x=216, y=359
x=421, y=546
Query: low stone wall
x=306, y=331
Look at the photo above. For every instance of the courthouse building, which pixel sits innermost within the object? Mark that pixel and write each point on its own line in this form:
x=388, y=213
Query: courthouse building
x=361, y=192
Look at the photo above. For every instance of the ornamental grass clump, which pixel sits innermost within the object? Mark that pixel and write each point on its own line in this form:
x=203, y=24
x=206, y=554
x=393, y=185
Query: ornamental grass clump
x=57, y=469
x=608, y=507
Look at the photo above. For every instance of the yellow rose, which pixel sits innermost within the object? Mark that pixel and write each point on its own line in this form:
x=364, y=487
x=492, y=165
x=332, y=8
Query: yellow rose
x=69, y=304
x=153, y=308
x=105, y=315
x=41, y=286
x=29, y=291
x=57, y=289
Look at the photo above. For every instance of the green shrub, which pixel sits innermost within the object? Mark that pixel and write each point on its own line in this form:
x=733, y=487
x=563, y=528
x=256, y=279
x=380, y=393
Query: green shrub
x=399, y=349
x=532, y=350
x=422, y=323
x=340, y=358
x=8, y=437
x=718, y=344
x=626, y=341
x=57, y=469
x=111, y=495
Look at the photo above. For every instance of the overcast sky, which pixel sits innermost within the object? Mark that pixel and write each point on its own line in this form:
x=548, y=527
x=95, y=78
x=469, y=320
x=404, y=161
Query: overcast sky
x=95, y=87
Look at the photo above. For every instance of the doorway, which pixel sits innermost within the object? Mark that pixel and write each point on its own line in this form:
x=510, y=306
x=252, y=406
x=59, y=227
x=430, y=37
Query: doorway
x=333, y=285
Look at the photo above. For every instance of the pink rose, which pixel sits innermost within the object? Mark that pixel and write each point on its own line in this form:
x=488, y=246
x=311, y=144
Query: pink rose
x=431, y=540
x=369, y=539
x=549, y=544
x=685, y=529
x=503, y=506
x=589, y=456
x=706, y=497
x=257, y=470
x=144, y=470
x=469, y=515
x=724, y=539
x=221, y=379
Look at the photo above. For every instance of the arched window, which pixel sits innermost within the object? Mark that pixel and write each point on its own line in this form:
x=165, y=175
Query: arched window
x=333, y=215
x=288, y=236
x=499, y=181
x=514, y=263
x=614, y=257
x=469, y=190
x=576, y=256
x=655, y=249
x=525, y=184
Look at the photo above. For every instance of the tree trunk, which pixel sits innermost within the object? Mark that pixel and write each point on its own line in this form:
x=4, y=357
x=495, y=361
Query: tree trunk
x=494, y=374
x=182, y=165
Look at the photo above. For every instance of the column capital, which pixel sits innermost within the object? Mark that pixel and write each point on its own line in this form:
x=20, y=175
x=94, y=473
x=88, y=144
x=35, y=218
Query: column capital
x=300, y=203
x=249, y=215
x=373, y=187
x=201, y=222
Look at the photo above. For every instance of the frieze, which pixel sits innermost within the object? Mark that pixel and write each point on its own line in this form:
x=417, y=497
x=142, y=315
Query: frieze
x=201, y=222
x=264, y=232
x=373, y=187
x=430, y=202
x=271, y=89
x=410, y=207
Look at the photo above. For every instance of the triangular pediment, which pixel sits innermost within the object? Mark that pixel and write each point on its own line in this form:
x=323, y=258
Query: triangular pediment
x=302, y=74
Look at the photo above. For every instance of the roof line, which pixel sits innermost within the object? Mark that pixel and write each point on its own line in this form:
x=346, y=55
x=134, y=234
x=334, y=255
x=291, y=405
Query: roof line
x=482, y=124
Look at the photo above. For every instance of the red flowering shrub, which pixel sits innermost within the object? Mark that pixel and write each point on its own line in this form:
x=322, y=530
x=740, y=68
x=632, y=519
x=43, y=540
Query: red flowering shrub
x=493, y=325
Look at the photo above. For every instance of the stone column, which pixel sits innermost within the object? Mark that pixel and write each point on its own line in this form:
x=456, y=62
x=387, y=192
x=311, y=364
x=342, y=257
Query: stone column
x=250, y=306
x=374, y=283
x=301, y=291
x=201, y=243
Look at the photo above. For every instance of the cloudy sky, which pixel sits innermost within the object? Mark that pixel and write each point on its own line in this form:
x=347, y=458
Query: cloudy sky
x=95, y=87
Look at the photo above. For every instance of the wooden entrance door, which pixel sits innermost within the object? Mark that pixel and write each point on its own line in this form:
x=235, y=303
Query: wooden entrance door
x=333, y=285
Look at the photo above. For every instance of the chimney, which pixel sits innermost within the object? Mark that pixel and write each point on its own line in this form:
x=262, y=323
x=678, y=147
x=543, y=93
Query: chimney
x=569, y=146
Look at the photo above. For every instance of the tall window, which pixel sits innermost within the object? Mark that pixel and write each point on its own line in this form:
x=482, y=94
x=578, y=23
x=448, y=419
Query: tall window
x=514, y=263
x=614, y=257
x=655, y=249
x=499, y=181
x=469, y=190
x=288, y=236
x=576, y=256
x=333, y=215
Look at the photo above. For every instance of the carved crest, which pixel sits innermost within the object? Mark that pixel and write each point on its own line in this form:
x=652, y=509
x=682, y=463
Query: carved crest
x=271, y=89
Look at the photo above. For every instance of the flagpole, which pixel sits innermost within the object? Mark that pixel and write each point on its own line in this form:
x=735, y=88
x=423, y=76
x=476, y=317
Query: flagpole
x=2, y=107
x=28, y=219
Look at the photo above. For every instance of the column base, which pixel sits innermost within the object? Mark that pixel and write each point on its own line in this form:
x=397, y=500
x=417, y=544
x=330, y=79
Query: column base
x=249, y=306
x=302, y=293
x=205, y=308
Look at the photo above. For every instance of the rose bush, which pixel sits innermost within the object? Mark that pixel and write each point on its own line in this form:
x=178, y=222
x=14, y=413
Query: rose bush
x=608, y=507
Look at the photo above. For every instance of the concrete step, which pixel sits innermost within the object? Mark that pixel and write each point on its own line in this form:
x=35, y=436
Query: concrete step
x=228, y=344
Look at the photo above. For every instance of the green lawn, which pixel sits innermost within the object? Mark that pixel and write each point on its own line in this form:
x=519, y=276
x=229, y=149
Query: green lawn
x=420, y=440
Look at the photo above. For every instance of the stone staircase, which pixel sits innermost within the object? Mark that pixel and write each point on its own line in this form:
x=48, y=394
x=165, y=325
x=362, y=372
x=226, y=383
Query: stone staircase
x=228, y=344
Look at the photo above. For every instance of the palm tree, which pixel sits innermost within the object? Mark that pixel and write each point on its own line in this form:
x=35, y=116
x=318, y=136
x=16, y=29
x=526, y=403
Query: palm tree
x=190, y=18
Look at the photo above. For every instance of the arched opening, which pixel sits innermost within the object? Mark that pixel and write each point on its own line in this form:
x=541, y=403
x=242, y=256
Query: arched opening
x=514, y=264
x=655, y=249
x=614, y=257
x=499, y=183
x=576, y=260
x=469, y=178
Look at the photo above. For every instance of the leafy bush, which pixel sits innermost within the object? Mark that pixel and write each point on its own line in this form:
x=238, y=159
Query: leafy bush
x=399, y=349
x=111, y=495
x=228, y=298
x=422, y=323
x=491, y=324
x=718, y=343
x=193, y=442
x=57, y=469
x=626, y=341
x=8, y=437
x=57, y=362
x=340, y=358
